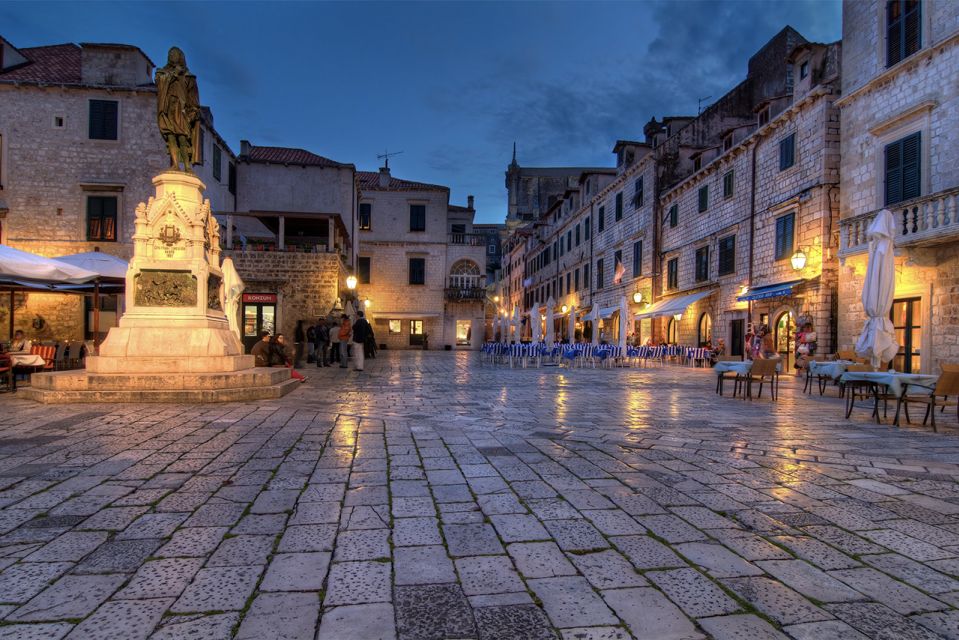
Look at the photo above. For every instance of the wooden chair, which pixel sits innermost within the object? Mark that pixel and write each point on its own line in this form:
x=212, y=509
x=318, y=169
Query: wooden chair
x=6, y=370
x=721, y=378
x=947, y=385
x=808, y=384
x=846, y=354
x=762, y=371
x=947, y=367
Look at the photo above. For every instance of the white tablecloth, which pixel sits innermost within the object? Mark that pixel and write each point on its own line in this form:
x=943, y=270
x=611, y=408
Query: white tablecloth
x=832, y=369
x=26, y=360
x=741, y=368
x=894, y=381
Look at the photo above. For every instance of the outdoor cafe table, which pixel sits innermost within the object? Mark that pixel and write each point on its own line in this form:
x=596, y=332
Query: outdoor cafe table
x=892, y=380
x=740, y=368
x=829, y=369
x=26, y=360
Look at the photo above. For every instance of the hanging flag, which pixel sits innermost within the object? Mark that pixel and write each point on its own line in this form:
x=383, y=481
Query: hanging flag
x=620, y=270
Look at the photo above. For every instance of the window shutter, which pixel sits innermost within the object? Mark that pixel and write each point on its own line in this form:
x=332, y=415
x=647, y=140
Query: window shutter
x=703, y=198
x=894, y=172
x=637, y=258
x=619, y=206
x=103, y=119
x=911, y=166
x=674, y=215
x=912, y=28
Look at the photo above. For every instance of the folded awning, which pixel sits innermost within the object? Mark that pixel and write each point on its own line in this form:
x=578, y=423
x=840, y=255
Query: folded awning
x=770, y=291
x=607, y=312
x=672, y=306
x=405, y=315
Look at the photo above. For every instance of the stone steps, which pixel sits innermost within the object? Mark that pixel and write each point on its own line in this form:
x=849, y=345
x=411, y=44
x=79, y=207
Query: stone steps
x=180, y=396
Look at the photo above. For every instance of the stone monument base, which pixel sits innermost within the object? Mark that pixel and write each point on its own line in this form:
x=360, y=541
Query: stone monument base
x=62, y=387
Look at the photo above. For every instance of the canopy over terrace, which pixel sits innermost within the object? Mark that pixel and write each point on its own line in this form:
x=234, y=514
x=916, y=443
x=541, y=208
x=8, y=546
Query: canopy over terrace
x=285, y=231
x=673, y=306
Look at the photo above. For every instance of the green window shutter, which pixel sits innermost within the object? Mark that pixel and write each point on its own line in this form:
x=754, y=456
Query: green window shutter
x=674, y=215
x=785, y=227
x=619, y=206
x=903, y=168
x=727, y=255
x=637, y=258
x=601, y=223
x=103, y=119
x=703, y=198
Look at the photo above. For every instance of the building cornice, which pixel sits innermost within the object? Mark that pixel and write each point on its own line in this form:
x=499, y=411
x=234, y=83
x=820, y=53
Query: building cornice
x=897, y=69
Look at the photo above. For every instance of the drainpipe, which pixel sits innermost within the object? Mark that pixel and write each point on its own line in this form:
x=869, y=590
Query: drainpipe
x=752, y=227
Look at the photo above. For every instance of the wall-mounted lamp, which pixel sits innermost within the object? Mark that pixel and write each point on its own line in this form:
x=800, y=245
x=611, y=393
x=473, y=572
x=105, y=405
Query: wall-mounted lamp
x=744, y=290
x=677, y=317
x=564, y=308
x=350, y=282
x=367, y=303
x=798, y=260
x=495, y=298
x=638, y=297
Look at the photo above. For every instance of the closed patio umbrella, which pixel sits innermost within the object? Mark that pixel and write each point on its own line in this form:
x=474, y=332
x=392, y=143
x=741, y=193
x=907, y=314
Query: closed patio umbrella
x=536, y=324
x=623, y=323
x=878, y=338
x=550, y=330
x=593, y=317
x=515, y=326
x=571, y=325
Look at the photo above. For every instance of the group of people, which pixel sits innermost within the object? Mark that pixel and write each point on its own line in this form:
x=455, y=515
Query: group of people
x=325, y=343
x=761, y=344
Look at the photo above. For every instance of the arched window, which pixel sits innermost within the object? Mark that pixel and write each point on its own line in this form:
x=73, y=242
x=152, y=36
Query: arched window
x=672, y=331
x=705, y=329
x=465, y=274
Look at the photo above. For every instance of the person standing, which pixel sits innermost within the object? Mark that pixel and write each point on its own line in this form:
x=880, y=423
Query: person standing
x=322, y=333
x=361, y=331
x=344, y=337
x=299, y=343
x=311, y=344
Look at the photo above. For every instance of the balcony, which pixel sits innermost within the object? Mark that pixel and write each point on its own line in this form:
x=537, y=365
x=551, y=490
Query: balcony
x=468, y=239
x=925, y=221
x=465, y=294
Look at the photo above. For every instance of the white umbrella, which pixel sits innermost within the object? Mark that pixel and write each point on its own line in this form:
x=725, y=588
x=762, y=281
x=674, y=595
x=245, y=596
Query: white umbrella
x=623, y=323
x=878, y=338
x=26, y=267
x=536, y=324
x=571, y=325
x=550, y=331
x=104, y=264
x=593, y=317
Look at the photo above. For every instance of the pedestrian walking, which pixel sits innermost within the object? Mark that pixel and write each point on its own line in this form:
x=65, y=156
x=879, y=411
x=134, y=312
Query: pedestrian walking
x=344, y=335
x=361, y=332
x=322, y=333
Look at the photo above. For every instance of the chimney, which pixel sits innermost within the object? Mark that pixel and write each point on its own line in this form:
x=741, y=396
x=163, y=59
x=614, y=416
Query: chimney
x=384, y=177
x=245, y=147
x=469, y=202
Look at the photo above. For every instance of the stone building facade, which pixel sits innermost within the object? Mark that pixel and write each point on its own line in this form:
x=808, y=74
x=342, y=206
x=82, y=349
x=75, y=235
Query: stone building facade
x=421, y=264
x=900, y=150
x=709, y=210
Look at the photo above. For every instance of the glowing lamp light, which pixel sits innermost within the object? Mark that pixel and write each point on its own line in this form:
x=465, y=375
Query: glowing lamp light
x=744, y=290
x=677, y=317
x=351, y=282
x=367, y=303
x=798, y=260
x=637, y=297
x=495, y=298
x=564, y=308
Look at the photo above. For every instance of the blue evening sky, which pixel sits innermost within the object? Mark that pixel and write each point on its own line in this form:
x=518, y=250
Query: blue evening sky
x=450, y=84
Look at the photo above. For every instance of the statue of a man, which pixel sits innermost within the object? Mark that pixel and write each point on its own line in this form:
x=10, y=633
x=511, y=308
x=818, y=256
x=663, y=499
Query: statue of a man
x=178, y=111
x=230, y=291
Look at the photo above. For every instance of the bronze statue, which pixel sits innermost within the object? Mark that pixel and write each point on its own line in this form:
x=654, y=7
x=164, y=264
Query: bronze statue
x=178, y=111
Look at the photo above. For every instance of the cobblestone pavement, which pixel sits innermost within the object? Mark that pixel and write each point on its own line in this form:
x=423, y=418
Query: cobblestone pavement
x=435, y=497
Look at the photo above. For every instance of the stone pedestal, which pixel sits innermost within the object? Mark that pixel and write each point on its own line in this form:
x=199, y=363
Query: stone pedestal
x=174, y=342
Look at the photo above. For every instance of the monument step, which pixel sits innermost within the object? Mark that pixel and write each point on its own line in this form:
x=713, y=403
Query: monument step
x=179, y=396
x=98, y=381
x=171, y=364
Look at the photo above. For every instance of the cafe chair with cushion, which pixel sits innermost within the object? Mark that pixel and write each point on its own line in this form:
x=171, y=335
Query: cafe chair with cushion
x=864, y=390
x=947, y=386
x=721, y=377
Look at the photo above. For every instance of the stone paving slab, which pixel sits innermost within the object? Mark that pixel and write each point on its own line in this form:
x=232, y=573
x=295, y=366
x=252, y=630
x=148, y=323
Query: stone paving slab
x=466, y=503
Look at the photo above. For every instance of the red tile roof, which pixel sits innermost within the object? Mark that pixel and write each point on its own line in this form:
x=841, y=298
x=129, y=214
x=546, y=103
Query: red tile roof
x=54, y=64
x=370, y=180
x=286, y=155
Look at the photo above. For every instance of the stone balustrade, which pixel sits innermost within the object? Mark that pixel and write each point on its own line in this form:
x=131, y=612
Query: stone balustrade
x=928, y=220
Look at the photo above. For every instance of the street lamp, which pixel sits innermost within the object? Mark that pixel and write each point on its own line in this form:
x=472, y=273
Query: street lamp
x=351, y=282
x=564, y=308
x=638, y=297
x=677, y=317
x=798, y=259
x=367, y=303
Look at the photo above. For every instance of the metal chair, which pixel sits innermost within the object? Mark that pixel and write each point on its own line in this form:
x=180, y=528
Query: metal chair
x=721, y=377
x=762, y=371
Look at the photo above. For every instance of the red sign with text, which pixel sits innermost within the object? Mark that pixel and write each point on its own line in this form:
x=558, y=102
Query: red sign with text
x=259, y=297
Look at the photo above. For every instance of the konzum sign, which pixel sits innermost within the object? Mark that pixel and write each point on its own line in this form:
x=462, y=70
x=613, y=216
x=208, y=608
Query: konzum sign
x=259, y=297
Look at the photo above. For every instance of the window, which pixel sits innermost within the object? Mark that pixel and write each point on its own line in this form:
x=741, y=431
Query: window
x=728, y=185
x=586, y=275
x=59, y=122
x=727, y=142
x=787, y=152
x=727, y=255
x=395, y=326
x=785, y=226
x=363, y=269
x=103, y=119
x=464, y=333
x=231, y=178
x=803, y=70
x=491, y=249
x=638, y=196
x=637, y=258
x=416, y=333
x=903, y=29
x=672, y=331
x=102, y=218
x=763, y=116
x=697, y=163
x=906, y=315
x=217, y=162
x=559, y=287
x=586, y=229
x=576, y=279
x=903, y=169
x=599, y=273
x=702, y=264
x=417, y=270
x=703, y=198
x=601, y=223
x=366, y=214
x=619, y=206
x=568, y=274
x=577, y=235
x=417, y=217
x=569, y=240
x=674, y=215
x=672, y=274
x=705, y=330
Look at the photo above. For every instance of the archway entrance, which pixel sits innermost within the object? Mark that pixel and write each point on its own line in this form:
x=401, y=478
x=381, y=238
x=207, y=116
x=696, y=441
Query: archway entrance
x=705, y=330
x=785, y=337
